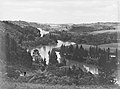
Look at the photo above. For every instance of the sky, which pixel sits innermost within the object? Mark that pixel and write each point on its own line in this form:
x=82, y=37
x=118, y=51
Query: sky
x=60, y=11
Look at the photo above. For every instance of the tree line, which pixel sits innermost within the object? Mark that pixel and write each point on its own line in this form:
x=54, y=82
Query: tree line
x=107, y=65
x=15, y=54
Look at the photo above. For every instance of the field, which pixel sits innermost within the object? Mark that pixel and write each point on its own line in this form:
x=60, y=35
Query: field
x=112, y=46
x=104, y=31
x=9, y=85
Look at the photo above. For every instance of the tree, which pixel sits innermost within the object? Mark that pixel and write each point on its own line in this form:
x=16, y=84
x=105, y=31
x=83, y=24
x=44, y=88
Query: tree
x=11, y=48
x=53, y=58
x=27, y=59
x=13, y=45
x=108, y=53
x=81, y=51
x=90, y=51
x=62, y=50
x=77, y=49
x=7, y=50
x=85, y=53
x=44, y=62
x=116, y=53
x=7, y=40
x=31, y=38
x=96, y=51
x=63, y=61
x=102, y=61
x=69, y=72
x=107, y=68
x=71, y=48
x=20, y=39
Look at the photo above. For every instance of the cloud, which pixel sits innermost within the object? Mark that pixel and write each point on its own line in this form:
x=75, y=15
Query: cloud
x=59, y=11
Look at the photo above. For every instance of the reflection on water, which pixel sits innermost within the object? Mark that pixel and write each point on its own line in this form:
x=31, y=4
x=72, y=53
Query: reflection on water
x=42, y=32
x=58, y=56
x=91, y=69
x=45, y=49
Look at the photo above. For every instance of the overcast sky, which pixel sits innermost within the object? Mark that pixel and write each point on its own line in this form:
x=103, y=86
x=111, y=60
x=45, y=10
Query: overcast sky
x=60, y=11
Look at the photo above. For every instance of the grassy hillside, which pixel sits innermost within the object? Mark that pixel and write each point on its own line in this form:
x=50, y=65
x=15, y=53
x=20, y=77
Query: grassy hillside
x=105, y=31
x=112, y=46
x=8, y=85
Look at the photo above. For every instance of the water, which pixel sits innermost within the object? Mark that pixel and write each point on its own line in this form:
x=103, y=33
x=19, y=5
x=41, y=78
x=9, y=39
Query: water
x=58, y=56
x=42, y=32
x=91, y=69
x=45, y=49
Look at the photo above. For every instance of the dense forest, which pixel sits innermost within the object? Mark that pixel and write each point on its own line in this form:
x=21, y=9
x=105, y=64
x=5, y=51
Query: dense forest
x=107, y=65
x=16, y=54
x=85, y=38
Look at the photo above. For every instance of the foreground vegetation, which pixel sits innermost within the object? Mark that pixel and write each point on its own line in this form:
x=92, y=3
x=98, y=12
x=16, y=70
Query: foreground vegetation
x=9, y=85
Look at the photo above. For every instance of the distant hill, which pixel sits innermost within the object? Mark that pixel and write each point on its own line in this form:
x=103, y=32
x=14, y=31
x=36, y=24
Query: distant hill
x=70, y=27
x=25, y=31
x=33, y=24
x=47, y=27
x=94, y=27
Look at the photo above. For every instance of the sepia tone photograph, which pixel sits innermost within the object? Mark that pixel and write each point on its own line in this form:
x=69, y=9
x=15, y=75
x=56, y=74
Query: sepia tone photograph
x=59, y=44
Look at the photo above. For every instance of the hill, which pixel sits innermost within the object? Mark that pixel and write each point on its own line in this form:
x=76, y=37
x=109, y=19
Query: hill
x=70, y=27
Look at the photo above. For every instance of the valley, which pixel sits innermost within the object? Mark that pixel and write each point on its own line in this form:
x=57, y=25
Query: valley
x=60, y=53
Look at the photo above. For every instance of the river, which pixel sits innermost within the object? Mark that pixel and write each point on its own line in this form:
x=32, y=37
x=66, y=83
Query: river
x=43, y=50
x=43, y=32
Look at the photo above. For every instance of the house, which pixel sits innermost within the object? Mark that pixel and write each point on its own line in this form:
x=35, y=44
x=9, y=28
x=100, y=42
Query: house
x=112, y=55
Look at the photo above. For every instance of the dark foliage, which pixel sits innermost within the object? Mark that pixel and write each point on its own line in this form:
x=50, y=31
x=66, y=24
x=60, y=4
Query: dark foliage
x=15, y=54
x=52, y=58
x=96, y=56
